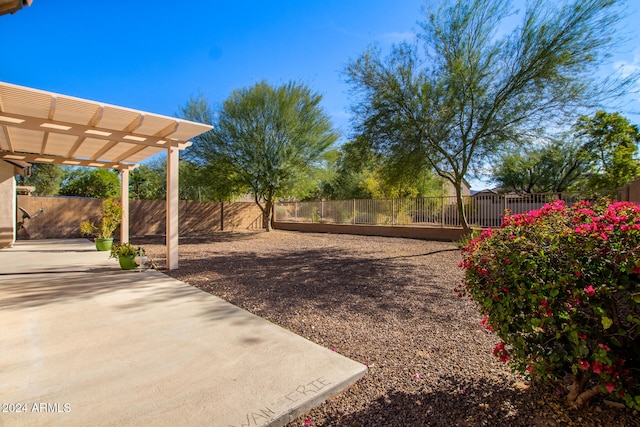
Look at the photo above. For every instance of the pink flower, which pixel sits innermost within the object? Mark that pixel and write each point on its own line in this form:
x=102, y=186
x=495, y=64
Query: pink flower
x=501, y=352
x=582, y=336
x=590, y=291
x=544, y=303
x=604, y=347
x=597, y=367
x=307, y=422
x=417, y=376
x=609, y=386
x=584, y=364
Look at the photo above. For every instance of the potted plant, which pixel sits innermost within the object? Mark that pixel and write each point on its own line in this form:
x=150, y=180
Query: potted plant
x=109, y=222
x=128, y=255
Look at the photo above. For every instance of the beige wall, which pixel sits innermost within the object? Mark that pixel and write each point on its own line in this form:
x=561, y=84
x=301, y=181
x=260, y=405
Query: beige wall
x=62, y=216
x=7, y=204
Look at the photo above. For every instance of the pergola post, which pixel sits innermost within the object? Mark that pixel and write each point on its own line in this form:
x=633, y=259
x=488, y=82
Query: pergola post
x=124, y=201
x=172, y=207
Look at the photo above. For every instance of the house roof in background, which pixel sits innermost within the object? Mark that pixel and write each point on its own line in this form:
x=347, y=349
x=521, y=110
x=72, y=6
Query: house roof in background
x=44, y=127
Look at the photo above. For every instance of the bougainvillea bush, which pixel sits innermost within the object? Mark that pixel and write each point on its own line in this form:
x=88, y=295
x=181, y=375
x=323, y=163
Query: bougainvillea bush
x=560, y=287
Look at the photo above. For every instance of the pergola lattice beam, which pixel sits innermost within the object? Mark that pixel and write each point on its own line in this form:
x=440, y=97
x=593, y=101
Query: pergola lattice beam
x=45, y=158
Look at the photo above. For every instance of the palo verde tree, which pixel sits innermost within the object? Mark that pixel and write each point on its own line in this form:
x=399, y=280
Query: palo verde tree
x=269, y=136
x=451, y=100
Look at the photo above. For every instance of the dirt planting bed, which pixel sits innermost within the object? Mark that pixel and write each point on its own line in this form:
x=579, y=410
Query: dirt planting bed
x=388, y=303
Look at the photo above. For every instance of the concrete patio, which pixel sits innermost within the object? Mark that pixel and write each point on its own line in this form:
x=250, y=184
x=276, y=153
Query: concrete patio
x=84, y=343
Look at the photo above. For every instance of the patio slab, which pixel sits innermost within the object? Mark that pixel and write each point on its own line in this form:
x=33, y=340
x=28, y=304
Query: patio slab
x=84, y=343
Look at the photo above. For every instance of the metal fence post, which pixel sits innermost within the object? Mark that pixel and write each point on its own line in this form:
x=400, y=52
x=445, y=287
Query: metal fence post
x=353, y=212
x=393, y=211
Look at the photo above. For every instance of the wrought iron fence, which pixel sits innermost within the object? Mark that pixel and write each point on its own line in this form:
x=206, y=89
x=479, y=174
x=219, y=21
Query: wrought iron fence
x=484, y=209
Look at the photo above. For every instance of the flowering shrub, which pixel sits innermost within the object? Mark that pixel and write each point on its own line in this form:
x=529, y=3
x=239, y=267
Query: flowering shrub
x=560, y=287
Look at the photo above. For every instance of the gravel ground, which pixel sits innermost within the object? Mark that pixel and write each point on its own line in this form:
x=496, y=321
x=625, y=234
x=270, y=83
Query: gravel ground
x=388, y=303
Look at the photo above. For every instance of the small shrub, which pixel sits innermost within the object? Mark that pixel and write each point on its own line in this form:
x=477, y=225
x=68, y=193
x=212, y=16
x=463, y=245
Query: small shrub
x=560, y=287
x=111, y=215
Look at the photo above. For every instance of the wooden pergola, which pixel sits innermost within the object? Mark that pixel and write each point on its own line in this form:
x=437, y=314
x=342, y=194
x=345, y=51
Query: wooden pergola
x=45, y=127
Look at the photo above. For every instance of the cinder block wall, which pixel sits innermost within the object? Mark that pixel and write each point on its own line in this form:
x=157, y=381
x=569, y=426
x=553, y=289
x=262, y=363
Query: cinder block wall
x=427, y=233
x=62, y=216
x=630, y=192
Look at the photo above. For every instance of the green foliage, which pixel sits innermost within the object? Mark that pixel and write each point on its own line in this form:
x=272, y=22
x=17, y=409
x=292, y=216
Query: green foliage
x=89, y=182
x=148, y=182
x=110, y=218
x=452, y=100
x=126, y=250
x=270, y=138
x=362, y=174
x=47, y=179
x=560, y=286
x=214, y=181
x=613, y=144
x=558, y=166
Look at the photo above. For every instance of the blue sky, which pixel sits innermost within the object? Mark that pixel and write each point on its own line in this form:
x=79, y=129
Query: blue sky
x=154, y=55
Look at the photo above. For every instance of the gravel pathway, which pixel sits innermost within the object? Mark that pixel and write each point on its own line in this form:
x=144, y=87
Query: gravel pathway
x=388, y=303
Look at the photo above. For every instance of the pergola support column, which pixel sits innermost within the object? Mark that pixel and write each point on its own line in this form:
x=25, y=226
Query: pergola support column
x=172, y=207
x=124, y=201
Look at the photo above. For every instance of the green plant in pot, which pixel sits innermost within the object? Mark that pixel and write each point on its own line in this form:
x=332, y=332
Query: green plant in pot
x=128, y=255
x=111, y=216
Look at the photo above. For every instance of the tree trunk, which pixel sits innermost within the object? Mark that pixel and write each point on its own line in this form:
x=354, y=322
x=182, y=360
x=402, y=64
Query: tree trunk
x=266, y=215
x=460, y=205
x=578, y=396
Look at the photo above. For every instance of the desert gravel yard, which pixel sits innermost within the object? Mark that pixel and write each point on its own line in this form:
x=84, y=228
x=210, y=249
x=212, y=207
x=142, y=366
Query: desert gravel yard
x=388, y=303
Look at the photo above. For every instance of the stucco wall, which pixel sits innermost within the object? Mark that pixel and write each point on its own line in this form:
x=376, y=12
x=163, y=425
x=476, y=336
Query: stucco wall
x=62, y=216
x=7, y=204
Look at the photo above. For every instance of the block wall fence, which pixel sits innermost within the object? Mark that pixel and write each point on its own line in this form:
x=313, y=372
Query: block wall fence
x=61, y=217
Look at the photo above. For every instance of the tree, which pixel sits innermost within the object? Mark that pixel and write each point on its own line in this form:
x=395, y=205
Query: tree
x=88, y=182
x=363, y=174
x=613, y=144
x=46, y=178
x=558, y=166
x=452, y=105
x=148, y=181
x=270, y=137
